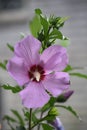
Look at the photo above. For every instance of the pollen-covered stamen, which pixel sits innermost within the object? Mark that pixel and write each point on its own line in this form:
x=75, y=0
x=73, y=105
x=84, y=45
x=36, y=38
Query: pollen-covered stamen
x=37, y=76
x=36, y=73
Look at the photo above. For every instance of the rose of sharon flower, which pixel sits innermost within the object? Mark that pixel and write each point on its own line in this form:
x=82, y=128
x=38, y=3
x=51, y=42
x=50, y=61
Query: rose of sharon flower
x=38, y=73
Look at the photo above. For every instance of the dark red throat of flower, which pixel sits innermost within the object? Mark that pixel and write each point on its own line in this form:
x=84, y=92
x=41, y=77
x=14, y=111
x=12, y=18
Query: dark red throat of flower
x=36, y=73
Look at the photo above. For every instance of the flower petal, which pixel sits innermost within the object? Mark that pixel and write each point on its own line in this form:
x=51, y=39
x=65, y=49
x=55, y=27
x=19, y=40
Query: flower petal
x=57, y=124
x=28, y=48
x=18, y=70
x=55, y=58
x=56, y=83
x=34, y=95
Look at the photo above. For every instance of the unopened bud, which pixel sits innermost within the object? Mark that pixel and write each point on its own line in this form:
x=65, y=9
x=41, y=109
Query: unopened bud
x=57, y=124
x=65, y=96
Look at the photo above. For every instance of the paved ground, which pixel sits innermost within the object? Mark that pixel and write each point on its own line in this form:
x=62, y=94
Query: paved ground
x=75, y=28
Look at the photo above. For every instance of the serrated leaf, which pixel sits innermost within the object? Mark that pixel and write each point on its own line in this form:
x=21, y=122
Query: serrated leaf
x=15, y=89
x=45, y=24
x=56, y=34
x=38, y=11
x=20, y=128
x=19, y=117
x=10, y=47
x=80, y=75
x=70, y=109
x=47, y=127
x=35, y=25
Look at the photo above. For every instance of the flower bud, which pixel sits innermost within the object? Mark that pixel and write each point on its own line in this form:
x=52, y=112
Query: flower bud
x=57, y=124
x=65, y=96
x=53, y=112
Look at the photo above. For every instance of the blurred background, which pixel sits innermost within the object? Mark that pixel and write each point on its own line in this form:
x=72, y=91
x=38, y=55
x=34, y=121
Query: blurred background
x=14, y=18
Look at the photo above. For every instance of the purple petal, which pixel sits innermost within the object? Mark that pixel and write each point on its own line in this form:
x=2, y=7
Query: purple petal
x=68, y=94
x=28, y=49
x=52, y=63
x=34, y=95
x=55, y=58
x=18, y=70
x=56, y=83
x=57, y=124
x=64, y=96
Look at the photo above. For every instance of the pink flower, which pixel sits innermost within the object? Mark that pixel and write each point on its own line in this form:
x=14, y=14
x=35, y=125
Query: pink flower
x=38, y=73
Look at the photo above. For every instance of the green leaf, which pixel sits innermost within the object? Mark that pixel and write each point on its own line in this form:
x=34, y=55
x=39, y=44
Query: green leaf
x=38, y=11
x=19, y=117
x=3, y=65
x=45, y=107
x=70, y=109
x=79, y=75
x=68, y=68
x=45, y=118
x=26, y=114
x=49, y=104
x=35, y=25
x=47, y=127
x=55, y=22
x=65, y=43
x=10, y=47
x=55, y=34
x=10, y=121
x=8, y=118
x=20, y=128
x=34, y=118
x=62, y=20
x=45, y=24
x=15, y=89
x=49, y=118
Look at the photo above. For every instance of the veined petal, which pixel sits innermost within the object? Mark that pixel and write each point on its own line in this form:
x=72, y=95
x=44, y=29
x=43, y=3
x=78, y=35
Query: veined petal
x=18, y=70
x=28, y=49
x=34, y=95
x=55, y=58
x=52, y=63
x=56, y=83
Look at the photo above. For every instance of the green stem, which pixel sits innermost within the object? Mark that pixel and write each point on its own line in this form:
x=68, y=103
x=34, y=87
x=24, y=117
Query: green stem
x=30, y=118
x=40, y=118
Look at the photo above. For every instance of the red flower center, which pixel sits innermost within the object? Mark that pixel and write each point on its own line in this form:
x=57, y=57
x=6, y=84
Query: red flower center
x=36, y=73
